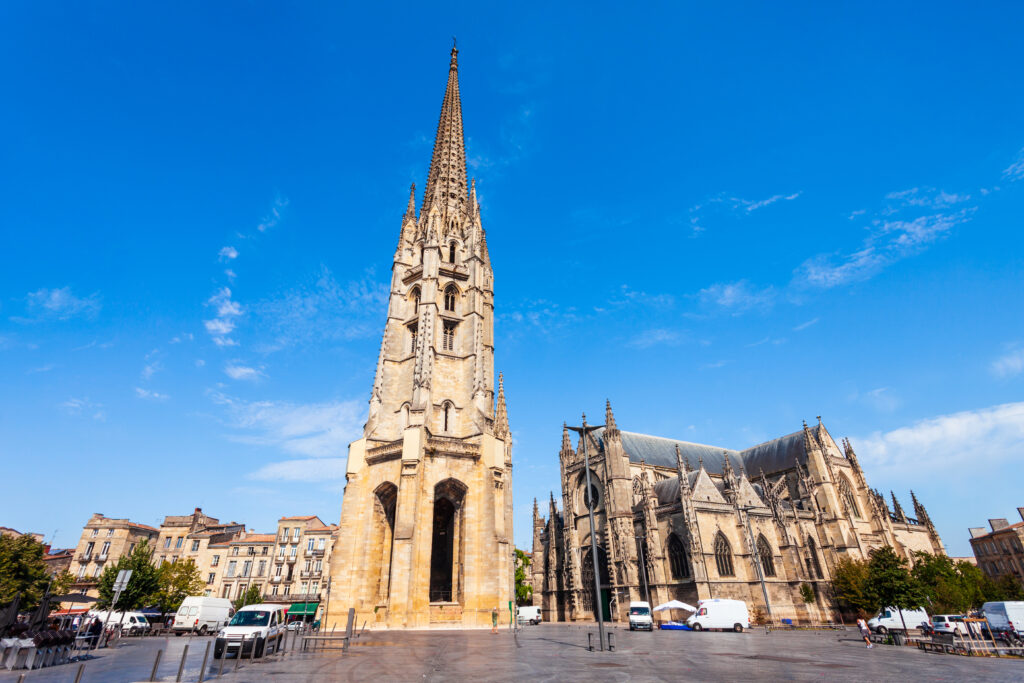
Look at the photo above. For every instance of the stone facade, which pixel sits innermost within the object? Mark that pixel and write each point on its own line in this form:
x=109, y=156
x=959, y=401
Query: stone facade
x=301, y=562
x=426, y=520
x=105, y=540
x=1000, y=551
x=711, y=523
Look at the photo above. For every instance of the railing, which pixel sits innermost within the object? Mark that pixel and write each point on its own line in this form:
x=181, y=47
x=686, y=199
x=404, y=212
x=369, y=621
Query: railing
x=85, y=557
x=102, y=557
x=291, y=558
x=314, y=552
x=310, y=573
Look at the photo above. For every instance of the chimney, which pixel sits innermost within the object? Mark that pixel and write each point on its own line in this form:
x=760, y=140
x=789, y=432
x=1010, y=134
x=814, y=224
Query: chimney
x=998, y=524
x=977, y=531
x=199, y=510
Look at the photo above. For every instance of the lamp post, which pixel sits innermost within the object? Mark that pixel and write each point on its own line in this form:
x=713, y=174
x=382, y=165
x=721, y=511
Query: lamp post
x=757, y=558
x=588, y=500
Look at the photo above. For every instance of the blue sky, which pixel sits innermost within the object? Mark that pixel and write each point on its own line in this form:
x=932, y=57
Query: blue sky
x=724, y=219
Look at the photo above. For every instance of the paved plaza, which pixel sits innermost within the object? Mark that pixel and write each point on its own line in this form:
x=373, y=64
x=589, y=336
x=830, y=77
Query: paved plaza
x=552, y=652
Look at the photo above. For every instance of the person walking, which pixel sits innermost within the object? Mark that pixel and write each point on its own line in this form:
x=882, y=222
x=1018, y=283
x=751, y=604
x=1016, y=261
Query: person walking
x=494, y=620
x=865, y=632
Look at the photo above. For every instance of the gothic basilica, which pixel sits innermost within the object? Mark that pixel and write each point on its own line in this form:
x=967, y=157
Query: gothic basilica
x=686, y=521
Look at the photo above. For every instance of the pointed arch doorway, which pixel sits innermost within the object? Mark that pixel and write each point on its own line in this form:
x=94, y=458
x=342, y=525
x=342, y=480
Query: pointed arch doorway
x=446, y=542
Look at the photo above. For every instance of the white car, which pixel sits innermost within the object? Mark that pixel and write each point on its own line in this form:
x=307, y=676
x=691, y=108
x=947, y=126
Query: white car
x=254, y=631
x=949, y=623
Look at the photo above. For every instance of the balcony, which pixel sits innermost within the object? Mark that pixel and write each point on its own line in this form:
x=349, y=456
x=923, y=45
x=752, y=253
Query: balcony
x=311, y=574
x=276, y=579
x=291, y=558
x=101, y=557
x=85, y=557
x=319, y=552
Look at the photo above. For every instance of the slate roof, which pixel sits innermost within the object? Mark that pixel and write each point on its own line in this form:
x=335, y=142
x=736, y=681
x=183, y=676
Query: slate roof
x=770, y=456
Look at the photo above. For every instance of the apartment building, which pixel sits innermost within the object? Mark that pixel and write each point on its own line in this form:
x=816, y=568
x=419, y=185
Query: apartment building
x=300, y=568
x=185, y=536
x=104, y=540
x=1001, y=550
x=247, y=562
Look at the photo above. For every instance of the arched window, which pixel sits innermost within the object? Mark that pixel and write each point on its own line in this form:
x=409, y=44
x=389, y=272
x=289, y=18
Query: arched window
x=764, y=553
x=451, y=252
x=723, y=555
x=448, y=336
x=813, y=564
x=587, y=578
x=414, y=295
x=677, y=561
x=594, y=499
x=447, y=415
x=450, y=295
x=413, y=331
x=846, y=493
x=638, y=490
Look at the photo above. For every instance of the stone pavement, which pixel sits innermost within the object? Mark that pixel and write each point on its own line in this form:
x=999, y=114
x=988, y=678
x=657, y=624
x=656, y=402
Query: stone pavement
x=557, y=652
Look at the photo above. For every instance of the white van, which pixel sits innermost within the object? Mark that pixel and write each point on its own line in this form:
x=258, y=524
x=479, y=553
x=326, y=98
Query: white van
x=202, y=615
x=131, y=623
x=892, y=619
x=258, y=626
x=1002, y=616
x=528, y=613
x=720, y=613
x=640, y=616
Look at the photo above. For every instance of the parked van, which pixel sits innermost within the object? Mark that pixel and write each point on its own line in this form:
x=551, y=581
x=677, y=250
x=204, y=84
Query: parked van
x=202, y=615
x=260, y=626
x=640, y=616
x=131, y=623
x=528, y=613
x=1004, y=616
x=720, y=613
x=892, y=619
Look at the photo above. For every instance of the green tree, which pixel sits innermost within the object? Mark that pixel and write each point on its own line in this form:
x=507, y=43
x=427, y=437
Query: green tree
x=524, y=591
x=22, y=570
x=142, y=587
x=252, y=596
x=850, y=580
x=1007, y=587
x=890, y=583
x=177, y=581
x=807, y=593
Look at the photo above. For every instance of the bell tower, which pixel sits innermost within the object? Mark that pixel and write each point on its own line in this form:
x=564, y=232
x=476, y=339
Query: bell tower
x=426, y=519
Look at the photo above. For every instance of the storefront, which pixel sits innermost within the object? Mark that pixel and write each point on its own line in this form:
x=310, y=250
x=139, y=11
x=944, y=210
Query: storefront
x=303, y=611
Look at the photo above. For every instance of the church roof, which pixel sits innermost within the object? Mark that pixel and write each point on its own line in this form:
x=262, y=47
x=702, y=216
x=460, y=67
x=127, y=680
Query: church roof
x=770, y=456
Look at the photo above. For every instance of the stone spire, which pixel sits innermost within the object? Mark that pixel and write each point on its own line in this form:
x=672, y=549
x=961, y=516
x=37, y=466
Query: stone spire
x=897, y=509
x=410, y=210
x=446, y=184
x=610, y=428
x=920, y=512
x=501, y=412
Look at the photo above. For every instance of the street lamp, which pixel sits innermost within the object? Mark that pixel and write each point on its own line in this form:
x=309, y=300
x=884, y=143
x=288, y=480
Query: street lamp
x=757, y=558
x=588, y=500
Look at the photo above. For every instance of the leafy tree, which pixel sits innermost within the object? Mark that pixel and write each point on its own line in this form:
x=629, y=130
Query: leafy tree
x=60, y=584
x=1007, y=587
x=22, y=570
x=890, y=583
x=142, y=587
x=850, y=580
x=252, y=596
x=177, y=580
x=807, y=593
x=524, y=591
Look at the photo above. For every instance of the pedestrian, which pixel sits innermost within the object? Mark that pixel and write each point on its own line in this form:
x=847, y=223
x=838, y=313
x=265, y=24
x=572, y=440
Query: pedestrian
x=494, y=620
x=865, y=632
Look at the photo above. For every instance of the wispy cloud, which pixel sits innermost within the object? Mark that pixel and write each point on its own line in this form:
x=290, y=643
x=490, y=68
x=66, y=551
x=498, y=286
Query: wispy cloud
x=1010, y=363
x=148, y=395
x=737, y=297
x=274, y=217
x=1015, y=171
x=242, y=372
x=656, y=337
x=60, y=304
x=228, y=311
x=730, y=205
x=804, y=326
x=314, y=470
x=41, y=368
x=84, y=407
x=984, y=438
x=889, y=241
x=227, y=254
x=313, y=430
x=927, y=197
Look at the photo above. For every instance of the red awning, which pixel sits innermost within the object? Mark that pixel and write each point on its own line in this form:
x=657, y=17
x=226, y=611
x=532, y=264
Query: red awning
x=69, y=612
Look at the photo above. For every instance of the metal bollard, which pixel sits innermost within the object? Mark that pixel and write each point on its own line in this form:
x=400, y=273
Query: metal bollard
x=156, y=664
x=590, y=641
x=181, y=667
x=78, y=676
x=223, y=656
x=21, y=678
x=206, y=655
x=611, y=641
x=238, y=656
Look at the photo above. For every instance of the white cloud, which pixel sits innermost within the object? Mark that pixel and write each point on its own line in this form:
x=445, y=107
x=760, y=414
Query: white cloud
x=150, y=395
x=224, y=323
x=927, y=197
x=235, y=371
x=309, y=470
x=1015, y=171
x=227, y=253
x=1009, y=364
x=942, y=445
x=760, y=204
x=804, y=326
x=656, y=337
x=730, y=205
x=62, y=304
x=274, y=217
x=83, y=406
x=737, y=297
x=41, y=368
x=314, y=430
